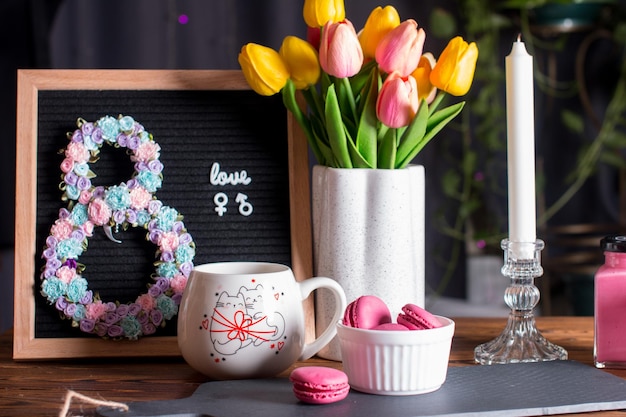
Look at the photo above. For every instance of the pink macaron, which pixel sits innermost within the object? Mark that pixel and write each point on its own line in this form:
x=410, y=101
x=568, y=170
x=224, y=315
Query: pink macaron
x=319, y=384
x=416, y=318
x=366, y=312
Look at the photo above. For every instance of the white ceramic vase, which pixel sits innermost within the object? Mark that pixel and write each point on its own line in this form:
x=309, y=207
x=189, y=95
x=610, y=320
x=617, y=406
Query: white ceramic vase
x=368, y=235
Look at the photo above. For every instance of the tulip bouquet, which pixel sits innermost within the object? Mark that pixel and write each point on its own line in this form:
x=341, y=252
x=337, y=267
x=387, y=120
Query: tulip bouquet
x=372, y=97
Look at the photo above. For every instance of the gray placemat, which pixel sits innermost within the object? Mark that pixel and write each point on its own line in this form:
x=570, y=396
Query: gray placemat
x=497, y=390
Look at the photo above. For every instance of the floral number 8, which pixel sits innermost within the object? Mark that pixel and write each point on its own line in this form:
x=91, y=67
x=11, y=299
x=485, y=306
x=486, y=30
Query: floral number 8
x=127, y=204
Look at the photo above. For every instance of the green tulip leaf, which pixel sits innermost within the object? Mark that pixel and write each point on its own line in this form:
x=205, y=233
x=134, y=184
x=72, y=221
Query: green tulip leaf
x=336, y=130
x=414, y=133
x=387, y=150
x=367, y=135
x=358, y=161
x=436, y=122
x=290, y=102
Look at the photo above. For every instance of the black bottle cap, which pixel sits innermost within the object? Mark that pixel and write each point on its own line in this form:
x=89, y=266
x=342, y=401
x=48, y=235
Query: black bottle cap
x=615, y=243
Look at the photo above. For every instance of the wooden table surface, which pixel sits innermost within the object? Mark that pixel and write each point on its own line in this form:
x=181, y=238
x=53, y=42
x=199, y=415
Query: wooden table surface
x=38, y=388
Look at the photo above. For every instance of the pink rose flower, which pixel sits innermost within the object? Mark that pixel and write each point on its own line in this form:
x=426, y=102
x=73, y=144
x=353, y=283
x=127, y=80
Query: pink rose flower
x=147, y=151
x=61, y=229
x=85, y=197
x=178, y=283
x=67, y=165
x=99, y=212
x=66, y=274
x=146, y=302
x=87, y=228
x=139, y=198
x=77, y=152
x=168, y=242
x=95, y=310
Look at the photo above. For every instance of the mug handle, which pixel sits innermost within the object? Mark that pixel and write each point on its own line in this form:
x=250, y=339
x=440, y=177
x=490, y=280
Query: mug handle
x=306, y=288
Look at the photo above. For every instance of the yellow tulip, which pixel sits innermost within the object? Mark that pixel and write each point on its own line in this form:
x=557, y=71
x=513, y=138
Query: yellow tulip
x=454, y=71
x=302, y=61
x=318, y=12
x=379, y=23
x=425, y=89
x=263, y=68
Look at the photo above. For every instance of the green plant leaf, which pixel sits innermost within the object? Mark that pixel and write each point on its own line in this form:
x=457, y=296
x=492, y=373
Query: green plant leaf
x=387, y=150
x=290, y=102
x=358, y=161
x=367, y=134
x=413, y=134
x=573, y=121
x=336, y=131
x=436, y=122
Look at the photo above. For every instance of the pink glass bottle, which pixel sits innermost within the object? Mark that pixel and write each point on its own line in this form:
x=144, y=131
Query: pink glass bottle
x=610, y=305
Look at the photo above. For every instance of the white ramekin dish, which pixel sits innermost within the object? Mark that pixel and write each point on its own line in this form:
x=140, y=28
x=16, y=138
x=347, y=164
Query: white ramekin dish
x=396, y=362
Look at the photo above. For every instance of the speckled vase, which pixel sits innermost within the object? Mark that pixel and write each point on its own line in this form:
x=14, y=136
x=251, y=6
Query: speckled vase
x=368, y=235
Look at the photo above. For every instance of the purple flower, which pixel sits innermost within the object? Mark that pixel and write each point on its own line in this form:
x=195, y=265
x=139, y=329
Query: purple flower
x=143, y=317
x=154, y=291
x=154, y=206
x=96, y=136
x=87, y=298
x=163, y=283
x=122, y=310
x=70, y=309
x=184, y=239
x=148, y=328
x=155, y=166
x=64, y=213
x=77, y=136
x=53, y=263
x=133, y=142
x=71, y=263
x=177, y=298
x=83, y=183
x=115, y=331
x=111, y=306
x=134, y=309
x=155, y=235
x=156, y=317
x=87, y=325
x=119, y=216
x=167, y=256
x=71, y=178
x=98, y=192
x=111, y=317
x=122, y=139
x=131, y=216
x=78, y=234
x=101, y=329
x=51, y=241
x=48, y=253
x=186, y=268
x=61, y=304
x=87, y=128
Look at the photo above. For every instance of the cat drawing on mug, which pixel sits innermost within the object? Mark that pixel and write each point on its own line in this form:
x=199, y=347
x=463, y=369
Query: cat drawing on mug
x=240, y=320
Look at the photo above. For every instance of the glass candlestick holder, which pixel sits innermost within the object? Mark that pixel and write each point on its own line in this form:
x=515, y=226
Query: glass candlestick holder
x=520, y=341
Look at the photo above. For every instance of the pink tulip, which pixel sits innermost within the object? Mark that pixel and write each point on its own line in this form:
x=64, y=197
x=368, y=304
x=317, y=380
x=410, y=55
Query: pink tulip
x=397, y=101
x=400, y=49
x=340, y=51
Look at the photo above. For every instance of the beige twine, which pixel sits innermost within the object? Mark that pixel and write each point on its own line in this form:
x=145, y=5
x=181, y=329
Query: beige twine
x=93, y=401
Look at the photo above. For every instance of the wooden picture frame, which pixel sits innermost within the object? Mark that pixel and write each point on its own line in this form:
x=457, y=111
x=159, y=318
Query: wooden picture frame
x=27, y=346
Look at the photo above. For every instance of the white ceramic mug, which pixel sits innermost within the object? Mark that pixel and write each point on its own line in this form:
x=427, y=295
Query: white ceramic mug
x=246, y=319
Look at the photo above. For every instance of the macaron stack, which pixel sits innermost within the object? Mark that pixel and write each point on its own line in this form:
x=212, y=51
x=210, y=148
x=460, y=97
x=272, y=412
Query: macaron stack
x=370, y=312
x=319, y=384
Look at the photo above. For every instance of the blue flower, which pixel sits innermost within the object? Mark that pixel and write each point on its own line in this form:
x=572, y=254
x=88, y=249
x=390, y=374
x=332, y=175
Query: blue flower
x=166, y=218
x=76, y=289
x=167, y=306
x=126, y=123
x=167, y=269
x=149, y=180
x=143, y=217
x=185, y=253
x=110, y=128
x=81, y=169
x=53, y=288
x=131, y=327
x=72, y=192
x=79, y=214
x=117, y=197
x=69, y=249
x=79, y=314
